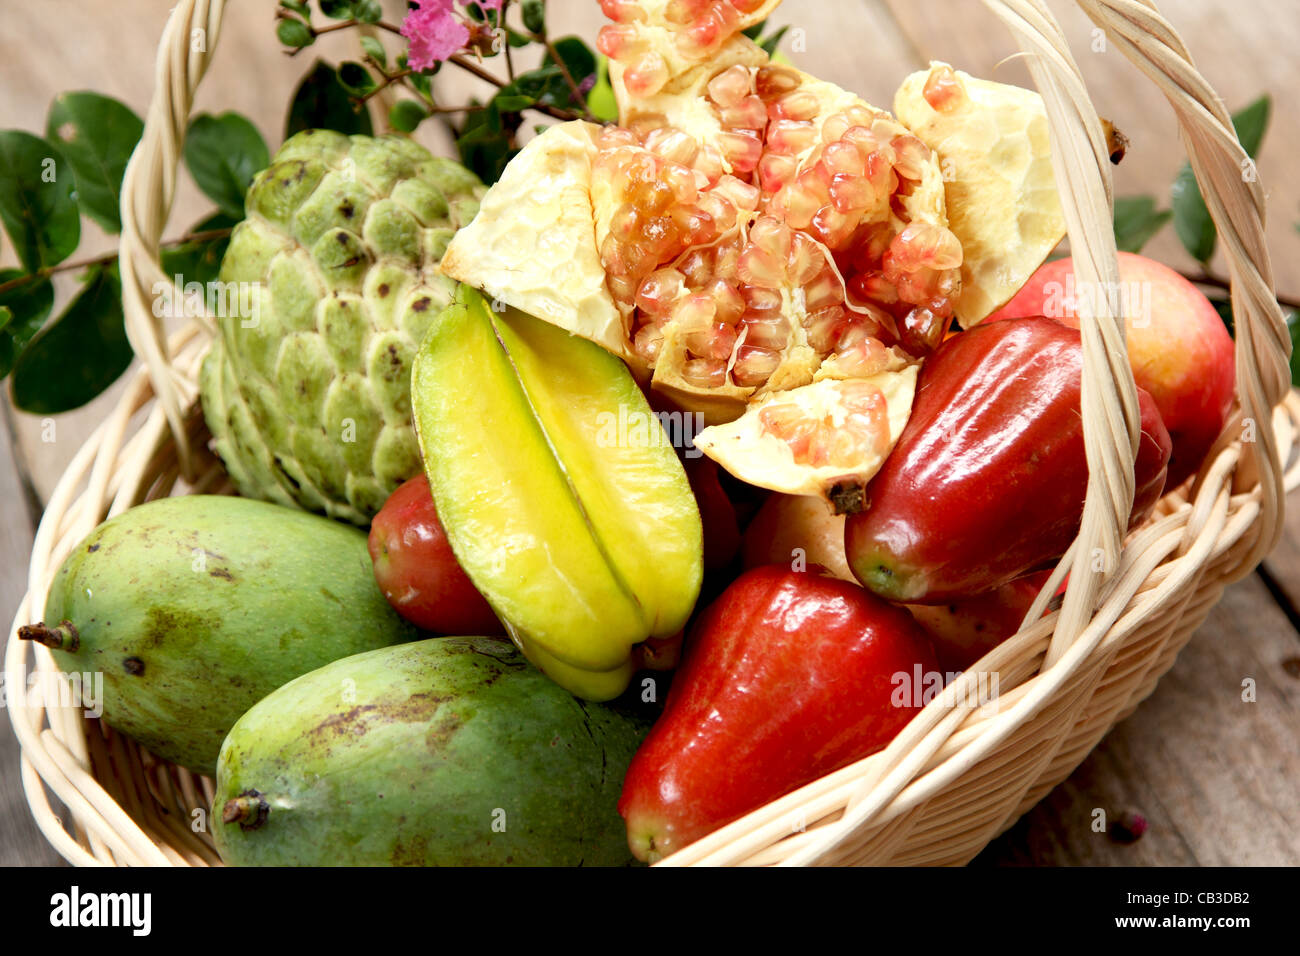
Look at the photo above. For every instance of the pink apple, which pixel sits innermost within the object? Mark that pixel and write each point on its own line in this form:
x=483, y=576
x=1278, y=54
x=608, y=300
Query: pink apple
x=1178, y=347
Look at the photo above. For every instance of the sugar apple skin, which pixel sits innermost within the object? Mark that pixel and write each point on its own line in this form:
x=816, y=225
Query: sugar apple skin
x=307, y=387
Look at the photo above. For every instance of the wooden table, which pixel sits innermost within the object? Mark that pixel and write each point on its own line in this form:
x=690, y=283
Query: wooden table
x=1218, y=779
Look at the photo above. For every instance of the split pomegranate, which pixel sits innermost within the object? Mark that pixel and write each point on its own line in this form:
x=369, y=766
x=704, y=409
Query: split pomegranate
x=746, y=232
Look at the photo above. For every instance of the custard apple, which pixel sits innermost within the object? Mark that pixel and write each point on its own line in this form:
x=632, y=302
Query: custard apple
x=330, y=284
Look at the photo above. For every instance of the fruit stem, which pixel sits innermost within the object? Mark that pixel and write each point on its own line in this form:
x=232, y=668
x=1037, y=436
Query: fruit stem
x=61, y=638
x=248, y=809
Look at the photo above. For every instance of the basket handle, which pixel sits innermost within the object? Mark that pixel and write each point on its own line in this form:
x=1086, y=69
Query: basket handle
x=1111, y=417
x=148, y=188
x=1236, y=201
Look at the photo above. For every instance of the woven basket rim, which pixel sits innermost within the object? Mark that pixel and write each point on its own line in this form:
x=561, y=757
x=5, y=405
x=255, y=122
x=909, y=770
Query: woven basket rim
x=128, y=807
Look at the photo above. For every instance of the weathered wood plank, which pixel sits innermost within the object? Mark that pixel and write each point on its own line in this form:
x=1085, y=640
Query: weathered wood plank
x=1217, y=778
x=21, y=843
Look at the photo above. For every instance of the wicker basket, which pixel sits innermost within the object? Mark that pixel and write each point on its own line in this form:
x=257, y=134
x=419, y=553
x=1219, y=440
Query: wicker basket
x=956, y=776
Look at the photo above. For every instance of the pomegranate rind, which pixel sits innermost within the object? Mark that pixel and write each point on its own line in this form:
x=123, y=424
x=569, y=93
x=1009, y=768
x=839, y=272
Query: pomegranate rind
x=993, y=145
x=532, y=246
x=754, y=455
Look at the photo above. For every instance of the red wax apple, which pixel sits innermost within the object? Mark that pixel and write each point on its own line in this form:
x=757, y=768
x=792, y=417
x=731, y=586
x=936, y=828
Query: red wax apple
x=788, y=676
x=417, y=571
x=966, y=629
x=1178, y=347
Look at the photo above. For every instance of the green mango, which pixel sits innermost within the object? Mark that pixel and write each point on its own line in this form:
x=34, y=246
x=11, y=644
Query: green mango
x=195, y=608
x=451, y=751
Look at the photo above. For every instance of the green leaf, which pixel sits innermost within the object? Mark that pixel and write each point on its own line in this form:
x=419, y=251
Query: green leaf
x=485, y=144
x=355, y=78
x=1136, y=221
x=769, y=44
x=337, y=9
x=1293, y=325
x=1252, y=122
x=37, y=202
x=516, y=39
x=601, y=102
x=375, y=50
x=294, y=33
x=367, y=11
x=26, y=308
x=97, y=134
x=297, y=6
x=534, y=14
x=199, y=260
x=77, y=356
x=423, y=84
x=1192, y=220
x=321, y=102
x=223, y=154
x=406, y=115
x=580, y=61
x=756, y=30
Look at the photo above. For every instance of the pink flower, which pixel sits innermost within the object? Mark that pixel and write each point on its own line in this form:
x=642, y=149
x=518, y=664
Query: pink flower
x=437, y=29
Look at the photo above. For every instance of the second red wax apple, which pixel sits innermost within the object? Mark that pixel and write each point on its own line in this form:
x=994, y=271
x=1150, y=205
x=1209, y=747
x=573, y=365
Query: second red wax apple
x=787, y=677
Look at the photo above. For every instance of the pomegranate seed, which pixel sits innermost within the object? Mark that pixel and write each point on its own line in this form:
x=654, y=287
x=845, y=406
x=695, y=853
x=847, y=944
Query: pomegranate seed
x=759, y=267
x=685, y=11
x=825, y=328
x=696, y=227
x=742, y=194
x=775, y=81
x=726, y=263
x=791, y=137
x=873, y=286
x=861, y=139
x=709, y=164
x=622, y=11
x=713, y=342
x=851, y=194
x=772, y=236
x=744, y=149
x=718, y=208
x=922, y=330
x=832, y=227
x=659, y=290
x=625, y=223
x=622, y=288
x=673, y=145
x=843, y=159
x=760, y=300
x=913, y=156
x=706, y=33
x=823, y=292
x=697, y=267
x=754, y=366
x=766, y=332
x=695, y=312
x=861, y=354
x=775, y=170
x=704, y=372
x=943, y=91
x=648, y=342
x=646, y=123
x=616, y=40
x=798, y=205
x=804, y=261
x=730, y=87
x=612, y=137
x=729, y=303
x=749, y=113
x=925, y=244
x=647, y=75
x=796, y=105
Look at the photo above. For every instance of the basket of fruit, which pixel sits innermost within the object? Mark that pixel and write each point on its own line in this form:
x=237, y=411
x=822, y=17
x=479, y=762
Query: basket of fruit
x=975, y=540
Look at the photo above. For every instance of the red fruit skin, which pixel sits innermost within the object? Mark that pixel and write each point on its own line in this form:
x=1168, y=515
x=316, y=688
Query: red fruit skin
x=786, y=677
x=1178, y=347
x=417, y=571
x=717, y=513
x=964, y=631
x=987, y=481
